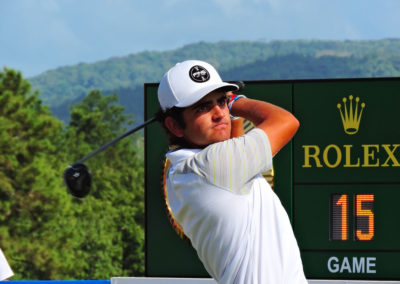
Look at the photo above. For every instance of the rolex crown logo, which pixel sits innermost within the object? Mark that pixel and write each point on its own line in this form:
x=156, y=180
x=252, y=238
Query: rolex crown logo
x=351, y=117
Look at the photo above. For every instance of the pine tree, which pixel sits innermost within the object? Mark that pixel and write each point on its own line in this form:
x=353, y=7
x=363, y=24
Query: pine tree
x=29, y=182
x=45, y=232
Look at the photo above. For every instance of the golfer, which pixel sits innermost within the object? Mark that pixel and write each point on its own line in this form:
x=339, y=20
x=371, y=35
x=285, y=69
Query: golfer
x=235, y=222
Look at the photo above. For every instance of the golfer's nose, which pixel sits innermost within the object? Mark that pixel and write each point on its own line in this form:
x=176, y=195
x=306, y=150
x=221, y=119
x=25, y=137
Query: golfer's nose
x=218, y=112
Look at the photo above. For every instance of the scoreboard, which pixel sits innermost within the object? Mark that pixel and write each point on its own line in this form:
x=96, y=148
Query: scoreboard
x=338, y=179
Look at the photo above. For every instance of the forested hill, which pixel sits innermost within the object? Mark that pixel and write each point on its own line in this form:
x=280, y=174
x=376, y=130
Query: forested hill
x=300, y=59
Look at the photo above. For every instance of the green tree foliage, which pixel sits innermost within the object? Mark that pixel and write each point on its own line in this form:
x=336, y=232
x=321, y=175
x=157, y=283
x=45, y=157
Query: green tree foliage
x=46, y=233
x=29, y=192
x=117, y=196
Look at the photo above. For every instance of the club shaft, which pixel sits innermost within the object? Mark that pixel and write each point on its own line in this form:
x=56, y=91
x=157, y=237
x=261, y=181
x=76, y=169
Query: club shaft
x=105, y=146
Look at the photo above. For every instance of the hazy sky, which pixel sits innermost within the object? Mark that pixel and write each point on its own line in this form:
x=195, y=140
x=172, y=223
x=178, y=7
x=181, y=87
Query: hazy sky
x=38, y=35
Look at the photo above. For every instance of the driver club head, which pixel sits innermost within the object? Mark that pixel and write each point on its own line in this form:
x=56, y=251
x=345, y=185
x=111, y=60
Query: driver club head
x=78, y=180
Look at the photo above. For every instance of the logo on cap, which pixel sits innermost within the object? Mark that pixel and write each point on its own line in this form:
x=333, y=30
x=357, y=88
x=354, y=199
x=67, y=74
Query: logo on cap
x=199, y=74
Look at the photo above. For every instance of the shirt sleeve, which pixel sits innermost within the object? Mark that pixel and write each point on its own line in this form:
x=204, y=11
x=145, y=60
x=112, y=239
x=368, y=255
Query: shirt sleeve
x=5, y=270
x=232, y=163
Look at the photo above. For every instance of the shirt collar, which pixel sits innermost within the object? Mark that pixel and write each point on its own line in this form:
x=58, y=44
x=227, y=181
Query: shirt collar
x=179, y=155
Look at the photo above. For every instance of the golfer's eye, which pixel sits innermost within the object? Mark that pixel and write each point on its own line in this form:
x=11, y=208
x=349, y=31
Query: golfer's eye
x=222, y=102
x=203, y=108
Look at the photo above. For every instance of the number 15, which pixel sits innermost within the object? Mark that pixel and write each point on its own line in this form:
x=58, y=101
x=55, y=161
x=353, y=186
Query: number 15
x=363, y=217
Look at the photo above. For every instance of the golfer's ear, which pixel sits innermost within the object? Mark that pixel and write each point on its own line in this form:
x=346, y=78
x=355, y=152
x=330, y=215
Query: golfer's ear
x=173, y=126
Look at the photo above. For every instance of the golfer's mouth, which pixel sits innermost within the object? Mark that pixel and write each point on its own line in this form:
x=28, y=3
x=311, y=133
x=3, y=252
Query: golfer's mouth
x=221, y=125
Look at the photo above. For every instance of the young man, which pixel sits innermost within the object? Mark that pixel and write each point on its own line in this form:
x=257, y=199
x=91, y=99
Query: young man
x=216, y=193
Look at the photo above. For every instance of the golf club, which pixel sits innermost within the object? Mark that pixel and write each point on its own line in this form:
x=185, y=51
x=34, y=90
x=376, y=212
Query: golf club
x=77, y=177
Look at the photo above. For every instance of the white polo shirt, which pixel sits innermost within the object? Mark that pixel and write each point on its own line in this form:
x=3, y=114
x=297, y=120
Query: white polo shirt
x=5, y=269
x=235, y=222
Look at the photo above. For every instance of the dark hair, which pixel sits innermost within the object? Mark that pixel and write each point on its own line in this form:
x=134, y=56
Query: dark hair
x=177, y=114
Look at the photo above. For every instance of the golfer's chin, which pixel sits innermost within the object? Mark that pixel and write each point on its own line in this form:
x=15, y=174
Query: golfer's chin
x=220, y=135
x=212, y=136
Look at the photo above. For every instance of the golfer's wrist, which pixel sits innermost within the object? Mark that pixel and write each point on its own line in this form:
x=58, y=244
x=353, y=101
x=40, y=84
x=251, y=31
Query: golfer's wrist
x=232, y=99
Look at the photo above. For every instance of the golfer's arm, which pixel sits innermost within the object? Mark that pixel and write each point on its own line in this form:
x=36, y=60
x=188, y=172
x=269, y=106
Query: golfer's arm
x=279, y=124
x=237, y=127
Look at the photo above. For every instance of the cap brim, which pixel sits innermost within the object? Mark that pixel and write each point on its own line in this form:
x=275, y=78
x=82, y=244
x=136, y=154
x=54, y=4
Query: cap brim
x=196, y=96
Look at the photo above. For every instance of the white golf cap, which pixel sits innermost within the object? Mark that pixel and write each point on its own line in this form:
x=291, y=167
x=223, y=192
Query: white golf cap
x=188, y=82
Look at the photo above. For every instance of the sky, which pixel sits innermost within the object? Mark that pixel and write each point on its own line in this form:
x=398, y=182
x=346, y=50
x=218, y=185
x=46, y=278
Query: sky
x=41, y=35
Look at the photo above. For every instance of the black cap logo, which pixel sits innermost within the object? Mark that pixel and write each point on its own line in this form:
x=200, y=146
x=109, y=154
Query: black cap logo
x=199, y=74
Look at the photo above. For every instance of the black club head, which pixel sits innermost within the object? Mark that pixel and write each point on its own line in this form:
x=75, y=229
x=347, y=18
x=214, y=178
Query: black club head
x=78, y=180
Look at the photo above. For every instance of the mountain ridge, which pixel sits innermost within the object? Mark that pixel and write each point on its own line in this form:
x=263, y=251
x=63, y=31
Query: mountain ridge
x=240, y=60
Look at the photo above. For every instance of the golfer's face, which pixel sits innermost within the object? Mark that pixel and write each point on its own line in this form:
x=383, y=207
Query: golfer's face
x=208, y=120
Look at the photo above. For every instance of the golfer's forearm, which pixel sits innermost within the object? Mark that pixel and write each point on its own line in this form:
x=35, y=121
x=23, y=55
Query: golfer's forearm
x=279, y=124
x=237, y=127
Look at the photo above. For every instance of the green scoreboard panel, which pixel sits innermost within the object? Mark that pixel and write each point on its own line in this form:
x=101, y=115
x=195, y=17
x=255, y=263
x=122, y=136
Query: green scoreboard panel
x=338, y=179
